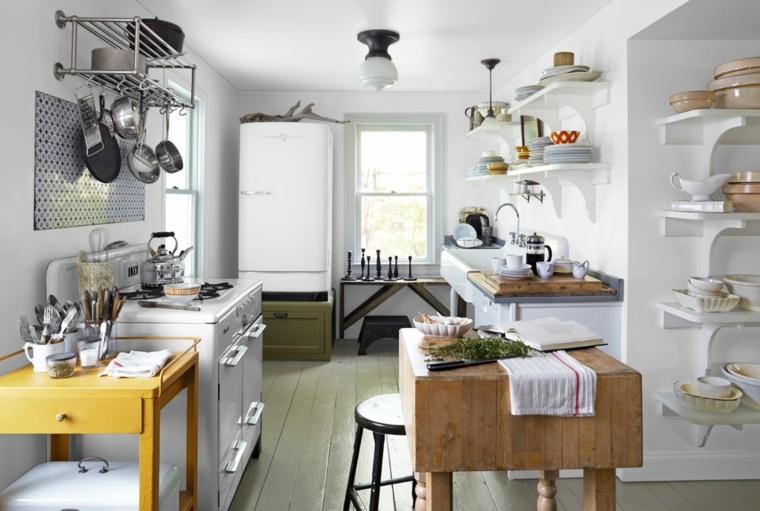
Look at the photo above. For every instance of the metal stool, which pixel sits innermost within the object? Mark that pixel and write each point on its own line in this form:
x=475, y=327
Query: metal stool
x=380, y=327
x=382, y=416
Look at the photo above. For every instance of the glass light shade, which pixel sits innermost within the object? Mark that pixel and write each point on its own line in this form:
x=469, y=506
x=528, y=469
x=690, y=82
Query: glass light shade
x=377, y=73
x=489, y=124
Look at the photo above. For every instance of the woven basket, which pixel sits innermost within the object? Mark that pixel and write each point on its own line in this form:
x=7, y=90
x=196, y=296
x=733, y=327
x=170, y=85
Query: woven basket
x=94, y=275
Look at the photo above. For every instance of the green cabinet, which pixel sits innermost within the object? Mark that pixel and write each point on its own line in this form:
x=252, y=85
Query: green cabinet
x=298, y=330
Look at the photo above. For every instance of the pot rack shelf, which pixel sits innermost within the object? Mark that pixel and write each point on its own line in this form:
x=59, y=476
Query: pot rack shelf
x=128, y=33
x=707, y=129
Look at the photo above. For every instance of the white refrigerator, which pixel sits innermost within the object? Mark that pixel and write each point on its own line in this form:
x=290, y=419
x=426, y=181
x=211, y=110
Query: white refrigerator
x=285, y=205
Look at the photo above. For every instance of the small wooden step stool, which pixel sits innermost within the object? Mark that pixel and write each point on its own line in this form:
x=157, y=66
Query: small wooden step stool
x=380, y=327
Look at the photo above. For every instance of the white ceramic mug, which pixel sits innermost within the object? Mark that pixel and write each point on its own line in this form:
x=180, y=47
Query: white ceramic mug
x=515, y=261
x=497, y=262
x=580, y=269
x=545, y=269
x=39, y=353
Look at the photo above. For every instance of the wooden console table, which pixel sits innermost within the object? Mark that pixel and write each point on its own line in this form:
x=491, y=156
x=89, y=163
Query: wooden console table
x=34, y=403
x=460, y=420
x=388, y=288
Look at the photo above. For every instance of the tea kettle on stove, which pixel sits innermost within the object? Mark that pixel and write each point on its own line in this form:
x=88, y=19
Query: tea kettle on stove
x=163, y=267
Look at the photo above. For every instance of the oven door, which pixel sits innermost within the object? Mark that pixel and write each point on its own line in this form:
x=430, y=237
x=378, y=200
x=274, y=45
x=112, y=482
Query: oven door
x=253, y=403
x=232, y=447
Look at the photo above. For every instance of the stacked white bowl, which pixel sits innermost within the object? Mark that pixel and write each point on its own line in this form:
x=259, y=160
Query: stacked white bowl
x=746, y=376
x=705, y=286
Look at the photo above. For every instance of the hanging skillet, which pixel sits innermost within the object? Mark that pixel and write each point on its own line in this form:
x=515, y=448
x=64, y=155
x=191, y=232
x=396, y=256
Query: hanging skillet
x=105, y=164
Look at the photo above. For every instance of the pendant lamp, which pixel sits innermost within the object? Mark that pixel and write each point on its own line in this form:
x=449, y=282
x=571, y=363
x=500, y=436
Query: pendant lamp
x=377, y=71
x=489, y=123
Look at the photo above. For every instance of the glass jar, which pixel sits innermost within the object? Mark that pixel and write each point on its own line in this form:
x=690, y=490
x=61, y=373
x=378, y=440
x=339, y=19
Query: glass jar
x=61, y=365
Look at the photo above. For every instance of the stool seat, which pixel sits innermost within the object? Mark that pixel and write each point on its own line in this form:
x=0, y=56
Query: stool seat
x=380, y=327
x=381, y=415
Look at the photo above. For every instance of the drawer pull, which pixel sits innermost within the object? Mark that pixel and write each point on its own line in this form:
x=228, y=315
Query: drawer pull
x=60, y=417
x=280, y=315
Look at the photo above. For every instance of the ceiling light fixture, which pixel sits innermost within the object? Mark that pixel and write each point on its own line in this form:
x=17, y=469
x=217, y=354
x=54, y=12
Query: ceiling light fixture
x=377, y=71
x=489, y=123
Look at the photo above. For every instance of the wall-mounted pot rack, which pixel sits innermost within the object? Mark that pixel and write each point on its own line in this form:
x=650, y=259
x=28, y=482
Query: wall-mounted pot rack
x=129, y=33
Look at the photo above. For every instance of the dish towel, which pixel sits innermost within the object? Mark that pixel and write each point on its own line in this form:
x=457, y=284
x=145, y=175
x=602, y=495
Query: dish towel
x=137, y=364
x=553, y=383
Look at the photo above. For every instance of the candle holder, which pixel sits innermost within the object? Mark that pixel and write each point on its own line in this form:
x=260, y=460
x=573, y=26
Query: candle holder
x=348, y=275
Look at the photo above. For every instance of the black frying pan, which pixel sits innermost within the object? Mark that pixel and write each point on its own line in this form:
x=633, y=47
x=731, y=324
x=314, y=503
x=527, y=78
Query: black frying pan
x=106, y=163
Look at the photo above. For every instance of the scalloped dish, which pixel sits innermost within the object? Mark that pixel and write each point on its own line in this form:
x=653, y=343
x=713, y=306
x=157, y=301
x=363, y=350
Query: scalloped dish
x=724, y=302
x=687, y=393
x=443, y=326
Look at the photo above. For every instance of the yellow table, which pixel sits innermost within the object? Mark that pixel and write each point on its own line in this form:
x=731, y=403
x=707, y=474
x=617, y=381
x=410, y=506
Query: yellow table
x=33, y=403
x=460, y=420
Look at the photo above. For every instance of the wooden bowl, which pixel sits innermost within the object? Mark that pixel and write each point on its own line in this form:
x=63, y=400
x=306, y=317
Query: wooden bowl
x=737, y=67
x=691, y=100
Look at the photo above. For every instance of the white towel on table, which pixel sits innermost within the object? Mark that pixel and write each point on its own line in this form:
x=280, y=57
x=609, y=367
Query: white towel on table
x=551, y=384
x=137, y=364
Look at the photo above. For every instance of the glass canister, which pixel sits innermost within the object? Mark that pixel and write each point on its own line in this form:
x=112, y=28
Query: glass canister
x=61, y=365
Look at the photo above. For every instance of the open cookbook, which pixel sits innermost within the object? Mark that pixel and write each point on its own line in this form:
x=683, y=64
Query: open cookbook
x=545, y=334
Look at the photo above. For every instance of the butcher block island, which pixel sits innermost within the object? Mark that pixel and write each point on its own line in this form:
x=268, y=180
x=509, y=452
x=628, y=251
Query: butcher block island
x=460, y=420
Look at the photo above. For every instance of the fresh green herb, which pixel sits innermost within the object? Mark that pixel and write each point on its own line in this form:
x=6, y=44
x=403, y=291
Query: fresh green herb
x=479, y=349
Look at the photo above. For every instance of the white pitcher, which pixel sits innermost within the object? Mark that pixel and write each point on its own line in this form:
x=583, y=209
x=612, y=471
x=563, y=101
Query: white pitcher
x=39, y=353
x=580, y=269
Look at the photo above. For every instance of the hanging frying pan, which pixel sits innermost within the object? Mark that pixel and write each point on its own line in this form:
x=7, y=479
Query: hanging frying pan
x=106, y=163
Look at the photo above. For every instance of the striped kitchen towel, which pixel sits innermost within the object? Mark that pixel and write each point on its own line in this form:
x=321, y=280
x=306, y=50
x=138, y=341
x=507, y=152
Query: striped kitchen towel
x=553, y=383
x=137, y=364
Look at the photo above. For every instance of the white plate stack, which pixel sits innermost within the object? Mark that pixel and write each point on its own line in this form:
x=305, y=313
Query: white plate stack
x=568, y=153
x=520, y=273
x=537, y=147
x=526, y=91
x=481, y=167
x=569, y=73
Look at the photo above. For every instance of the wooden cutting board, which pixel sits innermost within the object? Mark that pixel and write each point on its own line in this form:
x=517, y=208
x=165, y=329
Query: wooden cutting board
x=556, y=285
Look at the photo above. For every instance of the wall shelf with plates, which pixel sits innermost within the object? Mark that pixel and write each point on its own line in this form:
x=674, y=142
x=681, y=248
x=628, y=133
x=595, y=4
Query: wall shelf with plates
x=707, y=129
x=562, y=100
x=128, y=33
x=583, y=176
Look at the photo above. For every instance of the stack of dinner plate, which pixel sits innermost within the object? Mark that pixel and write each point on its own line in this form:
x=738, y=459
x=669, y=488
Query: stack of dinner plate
x=520, y=273
x=568, y=153
x=537, y=146
x=481, y=167
x=526, y=91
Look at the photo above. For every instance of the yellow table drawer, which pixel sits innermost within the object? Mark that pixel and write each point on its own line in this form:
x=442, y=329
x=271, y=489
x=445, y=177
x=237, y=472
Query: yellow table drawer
x=68, y=415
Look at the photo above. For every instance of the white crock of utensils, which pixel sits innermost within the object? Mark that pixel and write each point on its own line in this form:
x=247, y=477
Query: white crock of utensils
x=98, y=244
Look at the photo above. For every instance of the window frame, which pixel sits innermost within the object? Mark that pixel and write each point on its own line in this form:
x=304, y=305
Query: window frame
x=193, y=165
x=433, y=124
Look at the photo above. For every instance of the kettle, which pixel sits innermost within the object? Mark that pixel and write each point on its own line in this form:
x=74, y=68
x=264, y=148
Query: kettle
x=163, y=267
x=536, y=251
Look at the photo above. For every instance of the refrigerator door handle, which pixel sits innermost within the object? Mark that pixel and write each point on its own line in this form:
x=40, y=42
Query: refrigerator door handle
x=254, y=192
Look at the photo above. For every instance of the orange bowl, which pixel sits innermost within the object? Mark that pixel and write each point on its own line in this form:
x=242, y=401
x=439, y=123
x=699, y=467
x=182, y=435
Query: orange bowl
x=564, y=137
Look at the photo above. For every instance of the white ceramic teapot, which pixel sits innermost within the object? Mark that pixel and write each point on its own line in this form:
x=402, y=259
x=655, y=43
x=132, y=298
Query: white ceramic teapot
x=699, y=189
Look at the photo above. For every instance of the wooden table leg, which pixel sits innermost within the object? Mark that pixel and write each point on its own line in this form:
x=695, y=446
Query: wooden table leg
x=547, y=490
x=59, y=447
x=191, y=469
x=149, y=455
x=599, y=489
x=342, y=312
x=420, y=290
x=438, y=492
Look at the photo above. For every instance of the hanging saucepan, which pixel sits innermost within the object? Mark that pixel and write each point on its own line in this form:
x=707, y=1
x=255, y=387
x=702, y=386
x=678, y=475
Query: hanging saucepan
x=105, y=164
x=126, y=118
x=167, y=153
x=142, y=161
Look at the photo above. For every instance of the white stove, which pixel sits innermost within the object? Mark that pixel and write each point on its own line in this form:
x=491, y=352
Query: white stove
x=230, y=403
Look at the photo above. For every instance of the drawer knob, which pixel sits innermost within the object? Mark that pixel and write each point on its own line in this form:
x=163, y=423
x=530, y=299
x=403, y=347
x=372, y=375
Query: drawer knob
x=60, y=417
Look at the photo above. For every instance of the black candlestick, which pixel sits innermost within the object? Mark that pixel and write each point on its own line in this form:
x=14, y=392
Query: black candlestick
x=368, y=267
x=362, y=277
x=348, y=269
x=395, y=270
x=410, y=270
x=390, y=268
x=379, y=266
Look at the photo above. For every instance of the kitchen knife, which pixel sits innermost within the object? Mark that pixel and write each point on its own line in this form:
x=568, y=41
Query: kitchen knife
x=157, y=305
x=445, y=365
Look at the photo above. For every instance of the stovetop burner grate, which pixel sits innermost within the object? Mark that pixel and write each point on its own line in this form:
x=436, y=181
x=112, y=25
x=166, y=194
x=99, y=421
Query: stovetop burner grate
x=208, y=291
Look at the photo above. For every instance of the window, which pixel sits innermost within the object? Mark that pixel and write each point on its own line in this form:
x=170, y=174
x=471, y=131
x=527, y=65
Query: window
x=394, y=182
x=183, y=202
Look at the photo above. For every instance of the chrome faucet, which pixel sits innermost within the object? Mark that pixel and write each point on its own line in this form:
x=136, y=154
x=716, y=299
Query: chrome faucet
x=517, y=213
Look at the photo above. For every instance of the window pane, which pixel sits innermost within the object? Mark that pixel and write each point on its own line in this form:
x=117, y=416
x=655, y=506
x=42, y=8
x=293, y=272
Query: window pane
x=393, y=161
x=395, y=226
x=179, y=218
x=179, y=133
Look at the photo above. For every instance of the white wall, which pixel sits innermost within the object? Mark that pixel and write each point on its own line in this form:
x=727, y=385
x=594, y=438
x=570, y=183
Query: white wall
x=31, y=43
